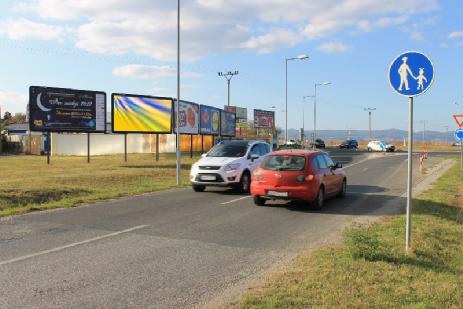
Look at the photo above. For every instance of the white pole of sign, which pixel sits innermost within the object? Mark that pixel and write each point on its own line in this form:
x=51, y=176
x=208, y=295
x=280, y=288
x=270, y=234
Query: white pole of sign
x=461, y=155
x=409, y=179
x=177, y=118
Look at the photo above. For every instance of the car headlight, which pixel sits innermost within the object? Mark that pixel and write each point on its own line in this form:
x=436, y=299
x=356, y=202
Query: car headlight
x=232, y=167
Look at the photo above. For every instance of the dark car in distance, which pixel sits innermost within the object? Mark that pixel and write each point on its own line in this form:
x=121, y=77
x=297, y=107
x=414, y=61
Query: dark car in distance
x=319, y=143
x=349, y=144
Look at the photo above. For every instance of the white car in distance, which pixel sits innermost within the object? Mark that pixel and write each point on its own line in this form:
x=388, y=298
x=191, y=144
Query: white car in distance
x=228, y=164
x=380, y=146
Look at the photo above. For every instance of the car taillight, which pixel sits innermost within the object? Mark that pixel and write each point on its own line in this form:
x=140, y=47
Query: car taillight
x=300, y=178
x=304, y=178
x=258, y=175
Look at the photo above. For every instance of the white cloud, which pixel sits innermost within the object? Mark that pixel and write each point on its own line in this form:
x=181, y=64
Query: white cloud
x=13, y=102
x=272, y=40
x=416, y=35
x=148, y=28
x=149, y=72
x=333, y=47
x=391, y=21
x=26, y=29
x=456, y=34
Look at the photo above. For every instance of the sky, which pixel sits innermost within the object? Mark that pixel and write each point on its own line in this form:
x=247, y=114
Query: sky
x=129, y=46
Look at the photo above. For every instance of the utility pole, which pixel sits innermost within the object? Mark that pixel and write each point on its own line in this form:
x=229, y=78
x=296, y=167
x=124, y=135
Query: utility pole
x=369, y=110
x=228, y=76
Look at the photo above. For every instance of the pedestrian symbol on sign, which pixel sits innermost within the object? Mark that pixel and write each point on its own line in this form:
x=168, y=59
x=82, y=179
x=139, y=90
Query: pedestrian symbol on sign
x=411, y=74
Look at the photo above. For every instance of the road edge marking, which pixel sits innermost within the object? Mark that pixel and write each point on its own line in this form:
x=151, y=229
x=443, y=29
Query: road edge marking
x=235, y=200
x=29, y=256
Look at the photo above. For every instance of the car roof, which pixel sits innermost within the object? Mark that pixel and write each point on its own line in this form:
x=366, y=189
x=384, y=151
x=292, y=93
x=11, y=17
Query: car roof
x=238, y=142
x=294, y=152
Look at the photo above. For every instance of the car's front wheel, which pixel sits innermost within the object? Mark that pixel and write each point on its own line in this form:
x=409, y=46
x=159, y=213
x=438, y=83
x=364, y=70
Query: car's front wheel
x=259, y=201
x=245, y=183
x=198, y=188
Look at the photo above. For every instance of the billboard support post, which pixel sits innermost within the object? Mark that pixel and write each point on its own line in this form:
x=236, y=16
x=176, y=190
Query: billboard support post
x=88, y=147
x=191, y=146
x=125, y=147
x=48, y=147
x=202, y=144
x=157, y=147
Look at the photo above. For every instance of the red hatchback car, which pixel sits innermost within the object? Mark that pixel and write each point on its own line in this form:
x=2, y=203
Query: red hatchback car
x=298, y=175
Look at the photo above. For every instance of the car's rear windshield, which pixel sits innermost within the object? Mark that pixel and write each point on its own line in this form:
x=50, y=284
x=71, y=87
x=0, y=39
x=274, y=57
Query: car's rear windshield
x=284, y=163
x=228, y=150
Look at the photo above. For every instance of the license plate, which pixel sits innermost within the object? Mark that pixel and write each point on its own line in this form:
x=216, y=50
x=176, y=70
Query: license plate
x=207, y=177
x=276, y=193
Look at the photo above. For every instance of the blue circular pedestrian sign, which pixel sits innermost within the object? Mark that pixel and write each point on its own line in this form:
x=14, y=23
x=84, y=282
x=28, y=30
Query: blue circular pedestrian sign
x=411, y=74
x=459, y=135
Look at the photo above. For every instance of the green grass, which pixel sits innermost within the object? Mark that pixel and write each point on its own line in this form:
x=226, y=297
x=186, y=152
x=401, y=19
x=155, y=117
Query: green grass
x=370, y=268
x=27, y=183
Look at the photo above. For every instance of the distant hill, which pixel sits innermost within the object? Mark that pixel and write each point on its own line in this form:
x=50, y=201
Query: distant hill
x=386, y=135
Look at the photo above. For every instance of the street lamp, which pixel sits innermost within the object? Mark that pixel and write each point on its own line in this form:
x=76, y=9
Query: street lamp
x=303, y=122
x=315, y=111
x=228, y=76
x=177, y=120
x=369, y=110
x=300, y=57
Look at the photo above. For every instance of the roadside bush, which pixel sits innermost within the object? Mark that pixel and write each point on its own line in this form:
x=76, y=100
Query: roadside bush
x=362, y=241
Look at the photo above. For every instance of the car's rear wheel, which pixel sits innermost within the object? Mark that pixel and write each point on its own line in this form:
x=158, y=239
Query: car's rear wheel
x=259, y=201
x=198, y=188
x=342, y=192
x=319, y=200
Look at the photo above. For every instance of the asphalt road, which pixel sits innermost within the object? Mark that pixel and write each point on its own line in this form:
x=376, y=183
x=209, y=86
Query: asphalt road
x=174, y=249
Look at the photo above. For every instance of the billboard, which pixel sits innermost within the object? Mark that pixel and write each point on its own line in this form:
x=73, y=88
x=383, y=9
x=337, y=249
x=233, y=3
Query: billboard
x=141, y=114
x=264, y=119
x=210, y=120
x=66, y=110
x=241, y=112
x=189, y=117
x=227, y=123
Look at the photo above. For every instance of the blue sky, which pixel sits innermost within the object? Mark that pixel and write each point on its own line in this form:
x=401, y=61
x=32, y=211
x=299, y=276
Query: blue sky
x=129, y=46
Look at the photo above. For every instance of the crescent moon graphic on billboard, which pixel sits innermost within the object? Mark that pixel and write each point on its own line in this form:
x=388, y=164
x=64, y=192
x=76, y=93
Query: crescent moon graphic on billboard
x=39, y=104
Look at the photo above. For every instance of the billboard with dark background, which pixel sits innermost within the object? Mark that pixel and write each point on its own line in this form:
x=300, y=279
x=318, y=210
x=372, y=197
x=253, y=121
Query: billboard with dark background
x=66, y=110
x=264, y=119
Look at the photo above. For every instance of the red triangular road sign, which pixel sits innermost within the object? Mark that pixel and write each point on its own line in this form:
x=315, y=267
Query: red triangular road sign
x=459, y=120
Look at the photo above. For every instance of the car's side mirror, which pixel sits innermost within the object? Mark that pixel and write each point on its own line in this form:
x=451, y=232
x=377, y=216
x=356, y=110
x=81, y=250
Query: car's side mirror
x=337, y=165
x=203, y=155
x=254, y=157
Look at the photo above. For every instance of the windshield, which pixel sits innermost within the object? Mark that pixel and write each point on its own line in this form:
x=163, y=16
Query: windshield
x=284, y=163
x=228, y=150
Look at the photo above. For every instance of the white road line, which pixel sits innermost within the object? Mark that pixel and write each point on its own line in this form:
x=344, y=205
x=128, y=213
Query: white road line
x=235, y=200
x=29, y=256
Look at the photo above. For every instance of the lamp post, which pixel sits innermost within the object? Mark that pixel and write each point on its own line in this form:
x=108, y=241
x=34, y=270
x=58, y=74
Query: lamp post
x=303, y=98
x=228, y=76
x=315, y=111
x=177, y=118
x=300, y=57
x=369, y=110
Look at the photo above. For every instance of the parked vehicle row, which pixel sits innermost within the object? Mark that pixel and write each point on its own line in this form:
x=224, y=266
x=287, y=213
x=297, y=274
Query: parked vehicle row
x=302, y=175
